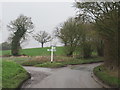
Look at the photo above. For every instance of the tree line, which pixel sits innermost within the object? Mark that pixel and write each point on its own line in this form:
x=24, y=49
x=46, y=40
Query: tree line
x=96, y=27
x=105, y=17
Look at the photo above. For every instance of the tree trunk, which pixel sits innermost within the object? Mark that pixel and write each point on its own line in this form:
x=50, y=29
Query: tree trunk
x=118, y=54
x=15, y=47
x=100, y=51
x=42, y=45
x=100, y=48
x=16, y=41
x=87, y=50
x=111, y=54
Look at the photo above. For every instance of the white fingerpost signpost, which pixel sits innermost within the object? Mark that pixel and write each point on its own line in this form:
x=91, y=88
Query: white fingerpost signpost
x=53, y=49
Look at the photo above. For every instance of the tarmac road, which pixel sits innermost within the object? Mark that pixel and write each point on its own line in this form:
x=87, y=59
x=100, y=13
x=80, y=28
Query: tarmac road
x=77, y=76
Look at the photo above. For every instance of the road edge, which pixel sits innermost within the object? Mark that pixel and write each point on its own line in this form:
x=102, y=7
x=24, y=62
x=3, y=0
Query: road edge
x=20, y=85
x=99, y=81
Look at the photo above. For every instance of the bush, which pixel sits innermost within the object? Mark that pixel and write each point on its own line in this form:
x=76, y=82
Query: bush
x=5, y=46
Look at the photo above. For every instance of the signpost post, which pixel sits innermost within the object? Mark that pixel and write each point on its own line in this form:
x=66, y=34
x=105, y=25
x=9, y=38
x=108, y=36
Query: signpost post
x=53, y=48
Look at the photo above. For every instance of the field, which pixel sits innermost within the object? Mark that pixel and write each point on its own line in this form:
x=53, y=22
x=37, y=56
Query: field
x=42, y=52
x=12, y=74
x=37, y=51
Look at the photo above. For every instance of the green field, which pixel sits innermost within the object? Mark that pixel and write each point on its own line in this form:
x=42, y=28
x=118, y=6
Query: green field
x=12, y=74
x=37, y=51
x=43, y=52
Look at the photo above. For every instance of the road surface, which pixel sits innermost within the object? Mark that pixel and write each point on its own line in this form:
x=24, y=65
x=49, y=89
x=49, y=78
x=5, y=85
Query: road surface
x=78, y=76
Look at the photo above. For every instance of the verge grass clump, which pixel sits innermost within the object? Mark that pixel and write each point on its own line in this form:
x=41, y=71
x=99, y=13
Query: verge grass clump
x=105, y=75
x=51, y=65
x=12, y=74
x=36, y=60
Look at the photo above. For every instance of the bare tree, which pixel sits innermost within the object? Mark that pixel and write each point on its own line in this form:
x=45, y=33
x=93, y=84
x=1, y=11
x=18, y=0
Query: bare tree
x=42, y=37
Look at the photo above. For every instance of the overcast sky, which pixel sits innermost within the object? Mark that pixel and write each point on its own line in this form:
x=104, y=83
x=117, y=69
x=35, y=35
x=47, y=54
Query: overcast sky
x=45, y=16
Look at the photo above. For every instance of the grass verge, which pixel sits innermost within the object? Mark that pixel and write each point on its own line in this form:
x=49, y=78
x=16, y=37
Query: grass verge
x=12, y=74
x=50, y=65
x=105, y=76
x=58, y=61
